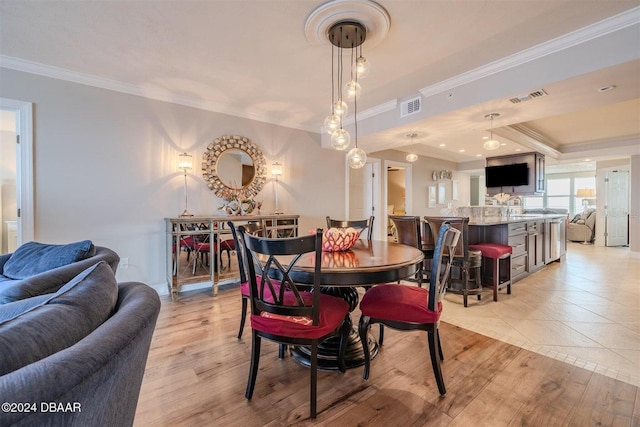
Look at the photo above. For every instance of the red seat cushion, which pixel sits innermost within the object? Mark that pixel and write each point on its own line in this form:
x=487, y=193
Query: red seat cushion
x=186, y=241
x=399, y=302
x=492, y=250
x=201, y=247
x=332, y=312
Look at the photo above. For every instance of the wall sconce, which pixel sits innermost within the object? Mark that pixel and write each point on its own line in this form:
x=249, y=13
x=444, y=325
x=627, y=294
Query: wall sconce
x=276, y=170
x=185, y=162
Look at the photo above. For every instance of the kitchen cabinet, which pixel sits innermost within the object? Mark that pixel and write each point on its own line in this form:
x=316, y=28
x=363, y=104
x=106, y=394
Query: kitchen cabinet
x=535, y=241
x=536, y=166
x=535, y=245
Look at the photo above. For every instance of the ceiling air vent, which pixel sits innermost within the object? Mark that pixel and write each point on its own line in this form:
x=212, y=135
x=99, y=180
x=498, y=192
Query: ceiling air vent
x=528, y=97
x=411, y=106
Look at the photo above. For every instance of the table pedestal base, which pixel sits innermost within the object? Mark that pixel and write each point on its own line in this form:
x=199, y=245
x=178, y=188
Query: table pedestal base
x=328, y=352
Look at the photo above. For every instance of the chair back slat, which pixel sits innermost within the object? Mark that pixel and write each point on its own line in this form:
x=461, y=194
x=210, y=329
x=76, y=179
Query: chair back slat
x=448, y=238
x=251, y=228
x=360, y=224
x=273, y=260
x=459, y=223
x=408, y=230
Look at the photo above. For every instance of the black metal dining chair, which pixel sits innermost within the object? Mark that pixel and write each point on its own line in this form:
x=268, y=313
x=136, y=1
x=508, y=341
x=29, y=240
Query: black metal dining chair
x=254, y=228
x=359, y=224
x=410, y=308
x=289, y=314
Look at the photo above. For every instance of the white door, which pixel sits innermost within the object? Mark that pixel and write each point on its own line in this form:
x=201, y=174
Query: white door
x=363, y=193
x=617, y=208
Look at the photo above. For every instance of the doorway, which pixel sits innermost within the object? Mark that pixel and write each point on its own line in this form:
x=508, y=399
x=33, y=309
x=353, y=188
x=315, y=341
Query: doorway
x=617, y=208
x=363, y=193
x=16, y=174
x=397, y=192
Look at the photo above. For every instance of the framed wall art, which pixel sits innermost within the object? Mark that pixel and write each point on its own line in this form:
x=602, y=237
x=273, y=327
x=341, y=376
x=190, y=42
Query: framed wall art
x=431, y=196
x=442, y=192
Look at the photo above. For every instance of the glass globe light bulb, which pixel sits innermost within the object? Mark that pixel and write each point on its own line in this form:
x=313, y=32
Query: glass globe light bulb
x=356, y=157
x=362, y=67
x=352, y=90
x=491, y=144
x=331, y=124
x=340, y=139
x=412, y=157
x=340, y=108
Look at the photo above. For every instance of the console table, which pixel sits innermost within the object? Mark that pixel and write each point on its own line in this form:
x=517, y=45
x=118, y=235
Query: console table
x=192, y=241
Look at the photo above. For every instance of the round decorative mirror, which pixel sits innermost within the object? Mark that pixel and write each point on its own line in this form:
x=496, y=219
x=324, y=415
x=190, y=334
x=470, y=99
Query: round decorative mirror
x=233, y=165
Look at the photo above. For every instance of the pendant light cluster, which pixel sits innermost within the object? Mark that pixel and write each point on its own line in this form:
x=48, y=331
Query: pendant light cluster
x=491, y=144
x=347, y=37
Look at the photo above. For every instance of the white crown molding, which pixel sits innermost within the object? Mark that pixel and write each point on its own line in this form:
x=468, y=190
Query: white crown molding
x=526, y=137
x=150, y=93
x=630, y=145
x=617, y=22
x=373, y=111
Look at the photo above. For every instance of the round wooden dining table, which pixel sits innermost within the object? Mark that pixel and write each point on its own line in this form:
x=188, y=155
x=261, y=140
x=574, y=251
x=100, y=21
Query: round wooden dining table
x=367, y=263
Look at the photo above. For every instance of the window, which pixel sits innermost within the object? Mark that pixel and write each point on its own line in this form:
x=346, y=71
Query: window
x=559, y=193
x=562, y=193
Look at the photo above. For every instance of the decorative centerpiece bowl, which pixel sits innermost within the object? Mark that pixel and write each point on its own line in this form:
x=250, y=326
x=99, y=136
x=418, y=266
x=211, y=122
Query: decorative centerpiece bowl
x=339, y=239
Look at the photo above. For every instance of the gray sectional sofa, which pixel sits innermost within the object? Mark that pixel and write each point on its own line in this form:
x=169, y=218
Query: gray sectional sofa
x=76, y=356
x=37, y=268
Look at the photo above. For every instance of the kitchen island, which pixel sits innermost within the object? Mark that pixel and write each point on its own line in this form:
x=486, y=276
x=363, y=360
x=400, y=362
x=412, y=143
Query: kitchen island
x=536, y=239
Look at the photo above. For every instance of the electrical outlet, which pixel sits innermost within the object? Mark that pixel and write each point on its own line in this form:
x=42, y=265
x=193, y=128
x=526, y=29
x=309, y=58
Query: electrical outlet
x=124, y=262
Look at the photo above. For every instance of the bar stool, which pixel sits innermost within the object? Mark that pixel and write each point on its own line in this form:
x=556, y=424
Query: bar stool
x=467, y=261
x=500, y=274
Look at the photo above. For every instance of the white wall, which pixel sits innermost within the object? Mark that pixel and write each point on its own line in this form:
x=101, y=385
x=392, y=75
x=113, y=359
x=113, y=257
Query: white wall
x=422, y=170
x=106, y=168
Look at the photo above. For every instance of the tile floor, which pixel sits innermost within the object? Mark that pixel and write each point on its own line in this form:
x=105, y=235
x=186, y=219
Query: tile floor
x=584, y=311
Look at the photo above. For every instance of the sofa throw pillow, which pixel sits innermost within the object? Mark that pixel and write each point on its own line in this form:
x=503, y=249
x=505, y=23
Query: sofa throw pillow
x=34, y=258
x=61, y=320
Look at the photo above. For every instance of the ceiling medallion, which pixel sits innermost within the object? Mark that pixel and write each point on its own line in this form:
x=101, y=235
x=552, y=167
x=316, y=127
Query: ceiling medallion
x=373, y=17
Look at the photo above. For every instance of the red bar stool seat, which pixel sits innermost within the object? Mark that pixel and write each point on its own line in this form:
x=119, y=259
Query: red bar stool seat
x=500, y=264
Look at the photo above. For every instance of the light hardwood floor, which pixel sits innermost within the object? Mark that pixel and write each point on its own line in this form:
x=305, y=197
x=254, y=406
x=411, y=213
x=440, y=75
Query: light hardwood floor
x=197, y=369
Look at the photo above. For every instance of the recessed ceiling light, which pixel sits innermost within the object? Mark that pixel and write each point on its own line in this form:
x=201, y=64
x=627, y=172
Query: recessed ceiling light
x=485, y=137
x=478, y=155
x=442, y=145
x=587, y=160
x=462, y=151
x=503, y=143
x=607, y=88
x=518, y=149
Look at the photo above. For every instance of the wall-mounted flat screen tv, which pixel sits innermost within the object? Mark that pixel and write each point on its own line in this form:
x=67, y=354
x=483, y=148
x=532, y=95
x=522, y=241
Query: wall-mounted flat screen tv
x=507, y=175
